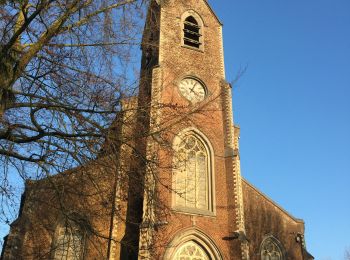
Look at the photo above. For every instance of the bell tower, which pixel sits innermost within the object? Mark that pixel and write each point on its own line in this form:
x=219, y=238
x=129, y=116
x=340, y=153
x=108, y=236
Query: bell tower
x=170, y=188
x=192, y=200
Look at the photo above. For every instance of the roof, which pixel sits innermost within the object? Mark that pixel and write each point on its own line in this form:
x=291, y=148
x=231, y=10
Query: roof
x=212, y=11
x=207, y=4
x=273, y=202
x=307, y=255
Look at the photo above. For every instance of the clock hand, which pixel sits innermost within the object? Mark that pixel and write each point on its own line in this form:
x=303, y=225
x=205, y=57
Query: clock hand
x=192, y=89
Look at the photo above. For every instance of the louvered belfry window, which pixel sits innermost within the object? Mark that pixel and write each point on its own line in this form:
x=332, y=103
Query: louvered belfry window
x=192, y=35
x=192, y=176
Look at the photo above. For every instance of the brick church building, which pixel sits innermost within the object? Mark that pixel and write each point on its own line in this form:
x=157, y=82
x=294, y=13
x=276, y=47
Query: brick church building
x=168, y=183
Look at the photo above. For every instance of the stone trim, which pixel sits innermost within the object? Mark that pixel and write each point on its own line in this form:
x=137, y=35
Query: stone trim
x=149, y=218
x=274, y=240
x=230, y=140
x=210, y=152
x=201, y=24
x=206, y=3
x=212, y=11
x=222, y=63
x=196, y=235
x=129, y=106
x=161, y=37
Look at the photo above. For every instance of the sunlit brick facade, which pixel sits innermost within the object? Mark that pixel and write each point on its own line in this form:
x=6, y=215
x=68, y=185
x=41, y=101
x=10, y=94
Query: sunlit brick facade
x=195, y=204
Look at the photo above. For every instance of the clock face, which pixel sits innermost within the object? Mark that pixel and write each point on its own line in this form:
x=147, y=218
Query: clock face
x=192, y=89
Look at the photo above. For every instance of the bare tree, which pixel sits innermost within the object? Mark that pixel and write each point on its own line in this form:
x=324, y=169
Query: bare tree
x=347, y=254
x=64, y=69
x=64, y=76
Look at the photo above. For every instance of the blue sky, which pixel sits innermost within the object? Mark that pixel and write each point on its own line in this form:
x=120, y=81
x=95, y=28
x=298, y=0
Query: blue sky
x=293, y=107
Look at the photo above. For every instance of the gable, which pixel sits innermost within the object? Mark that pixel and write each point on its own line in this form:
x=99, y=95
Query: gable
x=212, y=11
x=160, y=2
x=265, y=199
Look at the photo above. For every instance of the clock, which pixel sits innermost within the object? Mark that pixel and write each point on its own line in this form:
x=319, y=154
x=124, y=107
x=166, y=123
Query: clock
x=192, y=90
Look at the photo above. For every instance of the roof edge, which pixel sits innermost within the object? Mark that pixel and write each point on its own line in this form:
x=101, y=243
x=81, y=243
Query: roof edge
x=159, y=2
x=212, y=11
x=298, y=220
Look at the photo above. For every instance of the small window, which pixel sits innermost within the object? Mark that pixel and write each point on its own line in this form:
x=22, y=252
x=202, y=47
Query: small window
x=192, y=33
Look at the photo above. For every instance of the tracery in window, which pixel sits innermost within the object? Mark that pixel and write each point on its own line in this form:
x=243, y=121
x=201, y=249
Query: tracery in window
x=68, y=244
x=191, y=251
x=192, y=32
x=192, y=175
x=270, y=250
x=192, y=244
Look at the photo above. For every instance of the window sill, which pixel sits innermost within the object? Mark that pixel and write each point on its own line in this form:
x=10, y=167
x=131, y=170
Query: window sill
x=193, y=212
x=193, y=48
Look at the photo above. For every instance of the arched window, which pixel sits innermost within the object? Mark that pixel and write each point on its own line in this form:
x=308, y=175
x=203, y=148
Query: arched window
x=192, y=173
x=192, y=32
x=191, y=251
x=192, y=244
x=271, y=249
x=68, y=243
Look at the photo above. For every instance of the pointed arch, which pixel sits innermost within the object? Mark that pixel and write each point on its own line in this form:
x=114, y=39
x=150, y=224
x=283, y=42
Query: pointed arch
x=192, y=30
x=187, y=243
x=272, y=249
x=68, y=241
x=193, y=178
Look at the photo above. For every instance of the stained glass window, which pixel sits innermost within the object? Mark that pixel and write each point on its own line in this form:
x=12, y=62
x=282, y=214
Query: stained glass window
x=270, y=250
x=191, y=251
x=192, y=179
x=68, y=244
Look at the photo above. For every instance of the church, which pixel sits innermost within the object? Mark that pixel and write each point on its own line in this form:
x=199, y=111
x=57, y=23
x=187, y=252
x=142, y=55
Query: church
x=168, y=183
